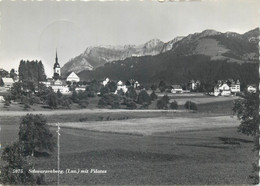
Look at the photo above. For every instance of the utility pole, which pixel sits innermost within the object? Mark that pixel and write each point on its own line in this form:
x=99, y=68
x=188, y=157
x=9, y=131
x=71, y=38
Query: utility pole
x=58, y=141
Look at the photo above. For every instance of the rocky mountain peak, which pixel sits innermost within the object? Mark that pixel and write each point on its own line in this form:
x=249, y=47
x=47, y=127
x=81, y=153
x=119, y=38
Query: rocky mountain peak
x=153, y=43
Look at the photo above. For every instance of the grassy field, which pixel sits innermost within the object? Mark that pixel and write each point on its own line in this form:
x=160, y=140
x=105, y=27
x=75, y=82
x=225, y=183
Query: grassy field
x=212, y=156
x=149, y=126
x=145, y=147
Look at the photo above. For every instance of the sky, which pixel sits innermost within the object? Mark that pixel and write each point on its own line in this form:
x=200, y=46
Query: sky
x=35, y=29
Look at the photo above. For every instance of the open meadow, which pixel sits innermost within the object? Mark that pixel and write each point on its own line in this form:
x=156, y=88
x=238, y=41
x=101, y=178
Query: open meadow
x=144, y=146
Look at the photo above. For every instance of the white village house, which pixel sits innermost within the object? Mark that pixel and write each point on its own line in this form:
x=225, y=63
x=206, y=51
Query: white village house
x=235, y=87
x=193, y=85
x=81, y=88
x=73, y=77
x=61, y=86
x=132, y=83
x=7, y=83
x=106, y=81
x=176, y=89
x=251, y=88
x=121, y=85
x=223, y=89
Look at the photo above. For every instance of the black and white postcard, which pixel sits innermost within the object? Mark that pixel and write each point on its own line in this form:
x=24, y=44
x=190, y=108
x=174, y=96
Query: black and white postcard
x=129, y=92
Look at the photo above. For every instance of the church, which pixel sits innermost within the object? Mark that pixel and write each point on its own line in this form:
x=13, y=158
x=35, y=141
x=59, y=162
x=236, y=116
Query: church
x=56, y=82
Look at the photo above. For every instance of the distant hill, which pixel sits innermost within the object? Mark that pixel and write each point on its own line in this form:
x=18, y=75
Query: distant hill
x=209, y=55
x=174, y=70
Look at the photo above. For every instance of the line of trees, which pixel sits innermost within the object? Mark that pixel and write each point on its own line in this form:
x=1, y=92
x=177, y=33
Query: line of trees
x=31, y=71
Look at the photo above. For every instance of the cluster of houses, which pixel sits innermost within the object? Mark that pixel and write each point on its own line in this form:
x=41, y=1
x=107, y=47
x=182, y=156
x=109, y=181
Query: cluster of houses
x=193, y=85
x=63, y=86
x=226, y=88
x=222, y=88
x=231, y=87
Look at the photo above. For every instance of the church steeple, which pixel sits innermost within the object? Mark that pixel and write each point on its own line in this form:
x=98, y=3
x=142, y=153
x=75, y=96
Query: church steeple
x=56, y=64
x=56, y=59
x=56, y=67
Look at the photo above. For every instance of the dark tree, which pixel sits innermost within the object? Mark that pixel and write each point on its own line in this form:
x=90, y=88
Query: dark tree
x=161, y=104
x=153, y=96
x=112, y=86
x=52, y=100
x=190, y=105
x=13, y=75
x=35, y=135
x=154, y=87
x=31, y=71
x=74, y=97
x=104, y=90
x=112, y=100
x=16, y=90
x=120, y=92
x=131, y=93
x=143, y=98
x=247, y=112
x=162, y=86
x=174, y=105
x=166, y=99
x=13, y=156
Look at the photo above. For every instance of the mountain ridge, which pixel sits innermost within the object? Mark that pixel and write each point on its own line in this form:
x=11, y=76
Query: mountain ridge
x=228, y=47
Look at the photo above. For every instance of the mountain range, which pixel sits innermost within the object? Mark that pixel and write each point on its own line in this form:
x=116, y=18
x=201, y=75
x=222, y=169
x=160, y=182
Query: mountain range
x=94, y=57
x=209, y=47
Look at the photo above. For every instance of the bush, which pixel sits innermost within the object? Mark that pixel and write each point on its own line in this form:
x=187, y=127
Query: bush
x=26, y=106
x=153, y=96
x=190, y=105
x=84, y=104
x=65, y=103
x=102, y=103
x=7, y=103
x=110, y=99
x=161, y=104
x=131, y=105
x=174, y=105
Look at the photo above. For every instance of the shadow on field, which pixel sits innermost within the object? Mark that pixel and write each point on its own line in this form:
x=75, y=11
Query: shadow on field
x=119, y=154
x=41, y=154
x=208, y=146
x=234, y=141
